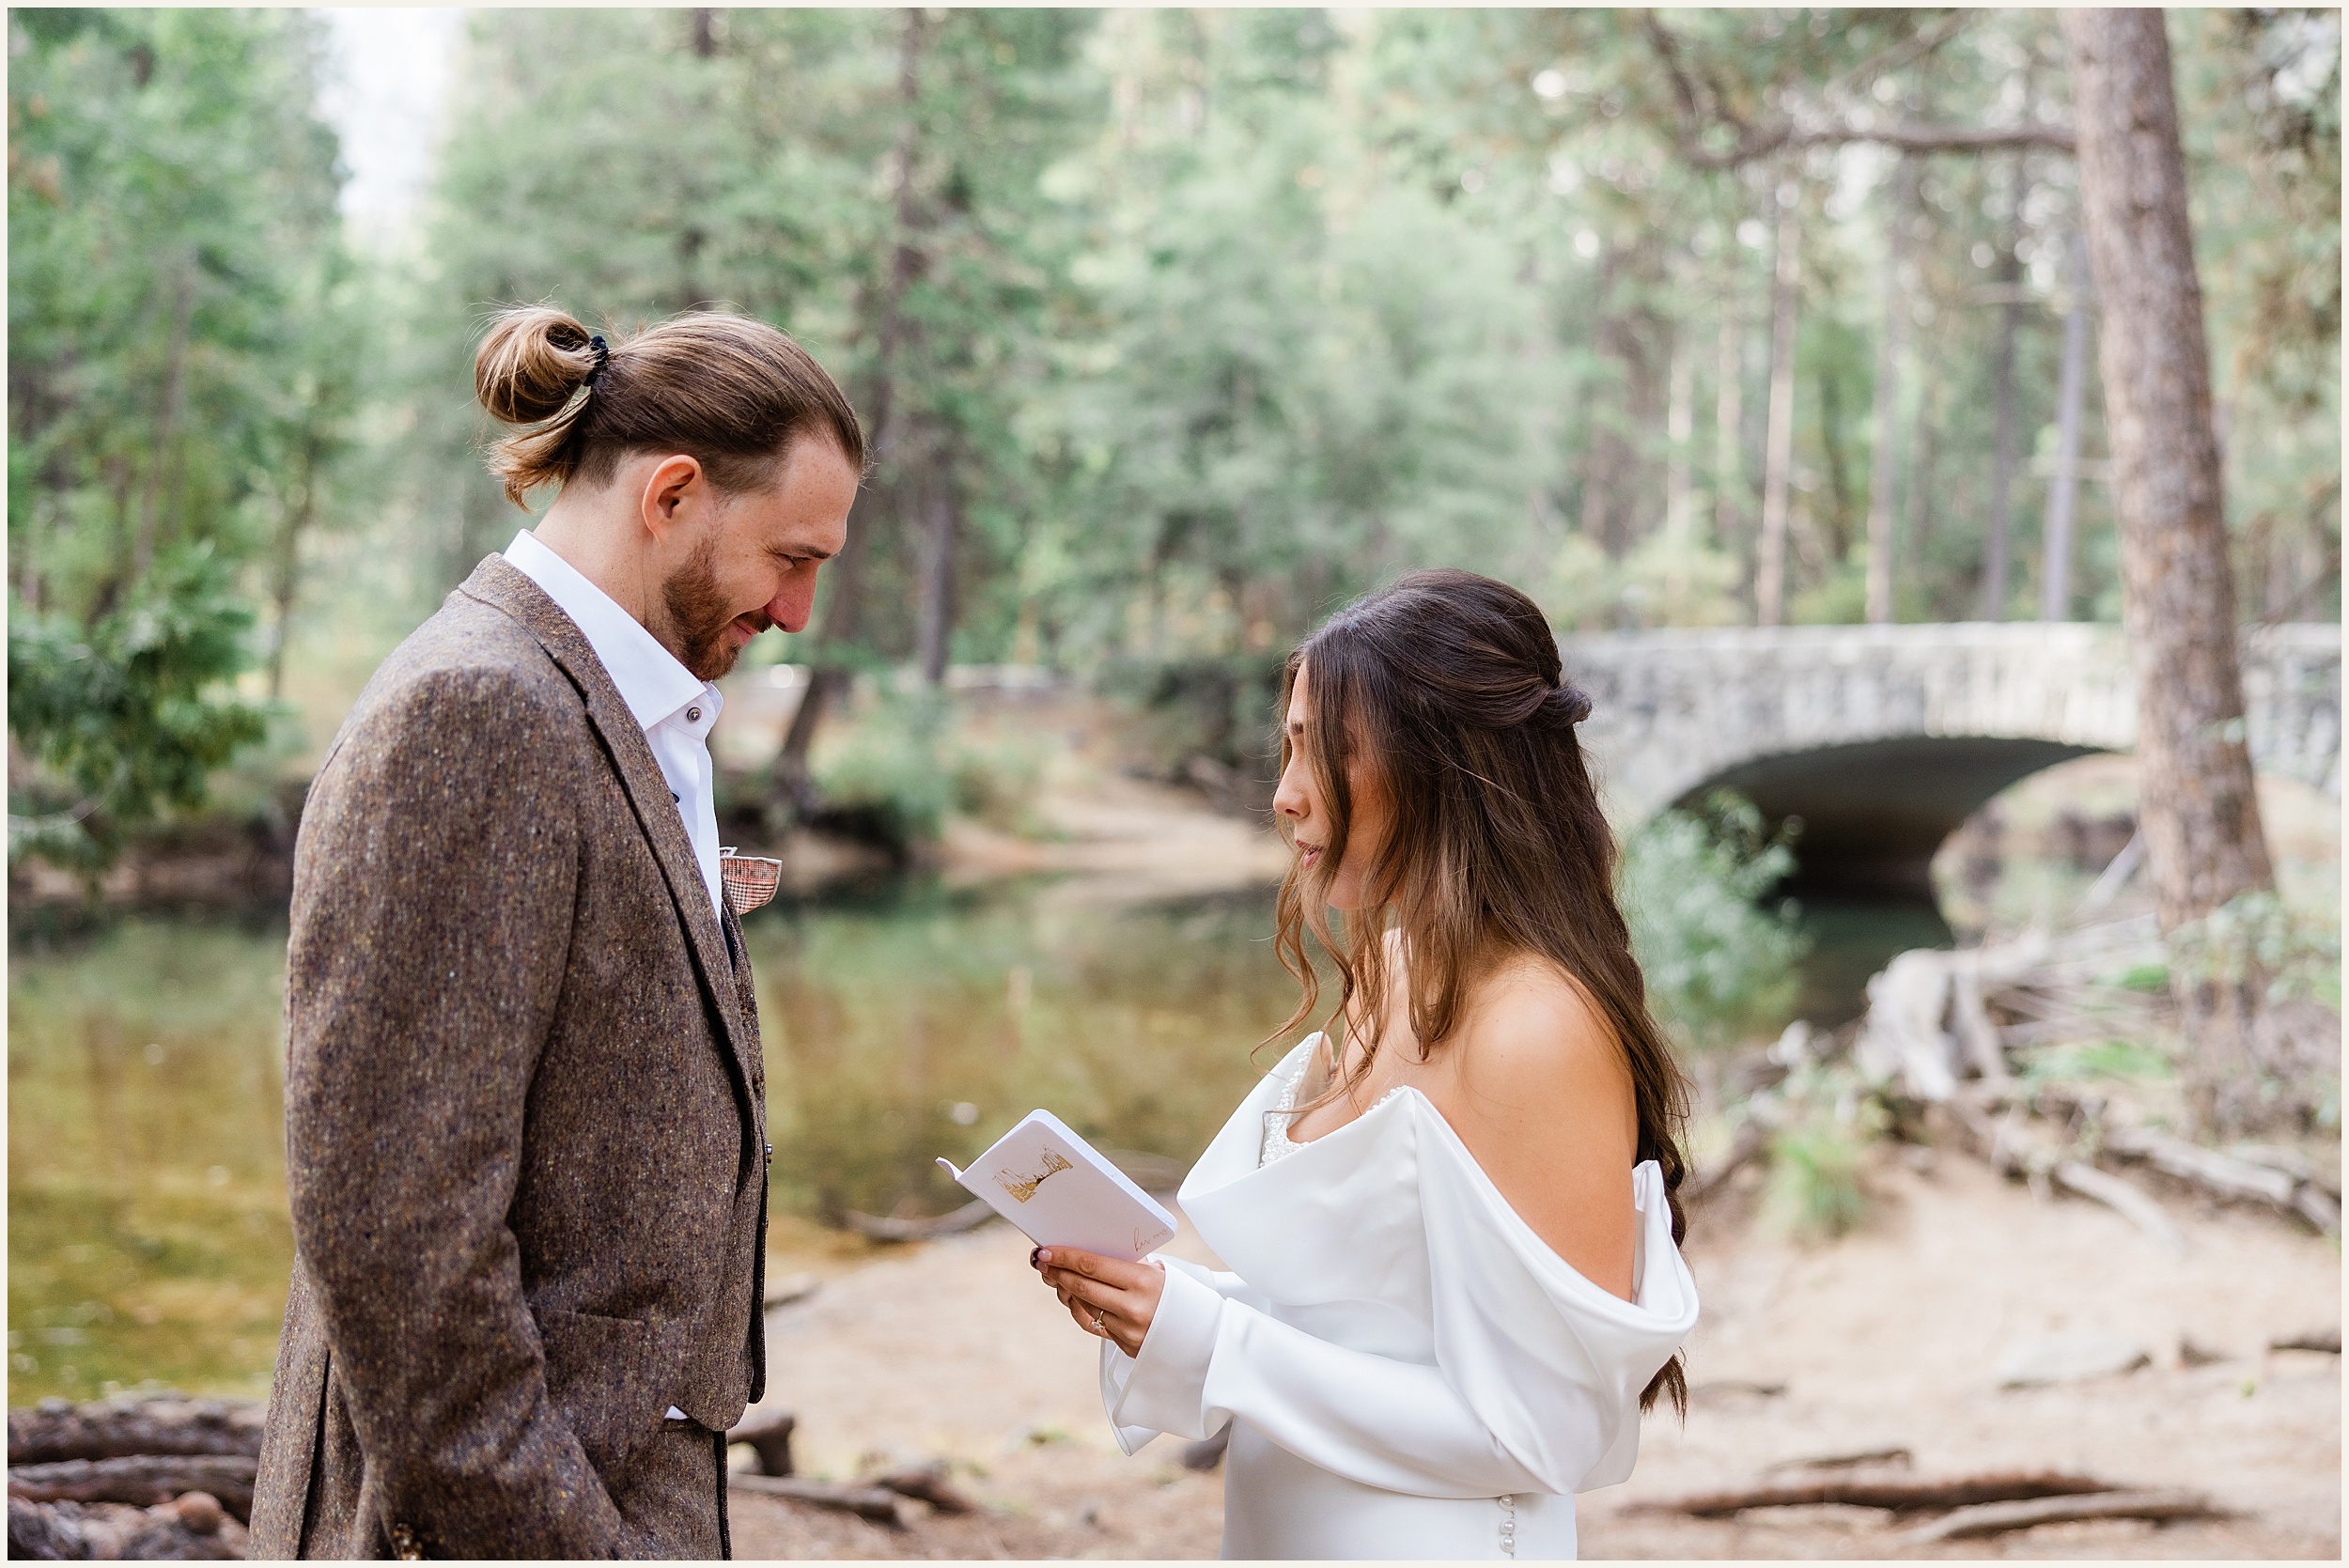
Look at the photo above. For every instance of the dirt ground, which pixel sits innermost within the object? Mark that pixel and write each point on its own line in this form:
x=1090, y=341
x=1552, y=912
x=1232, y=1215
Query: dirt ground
x=1889, y=1338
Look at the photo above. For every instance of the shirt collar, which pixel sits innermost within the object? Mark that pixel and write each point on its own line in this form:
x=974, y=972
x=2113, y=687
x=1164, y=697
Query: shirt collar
x=650, y=679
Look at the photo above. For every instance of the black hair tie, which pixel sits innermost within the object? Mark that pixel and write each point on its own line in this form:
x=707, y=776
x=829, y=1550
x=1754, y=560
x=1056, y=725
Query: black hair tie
x=603, y=357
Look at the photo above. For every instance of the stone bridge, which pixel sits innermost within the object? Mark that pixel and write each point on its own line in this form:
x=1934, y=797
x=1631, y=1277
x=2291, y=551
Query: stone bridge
x=1884, y=738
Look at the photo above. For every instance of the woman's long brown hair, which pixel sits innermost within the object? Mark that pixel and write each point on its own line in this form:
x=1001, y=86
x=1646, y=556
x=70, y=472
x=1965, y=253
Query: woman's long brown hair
x=1447, y=689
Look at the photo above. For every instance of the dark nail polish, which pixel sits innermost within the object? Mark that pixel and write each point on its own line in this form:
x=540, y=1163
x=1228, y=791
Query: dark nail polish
x=1035, y=1257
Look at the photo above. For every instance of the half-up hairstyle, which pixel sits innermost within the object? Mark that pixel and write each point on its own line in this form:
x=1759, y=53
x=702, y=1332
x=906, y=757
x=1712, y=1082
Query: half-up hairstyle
x=1447, y=687
x=729, y=392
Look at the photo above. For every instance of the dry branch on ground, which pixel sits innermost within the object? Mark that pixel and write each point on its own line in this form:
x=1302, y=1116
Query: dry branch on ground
x=1998, y=1518
x=1903, y=1493
x=145, y=1480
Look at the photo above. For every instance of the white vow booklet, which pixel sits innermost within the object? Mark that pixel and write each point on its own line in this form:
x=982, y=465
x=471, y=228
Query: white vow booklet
x=1059, y=1190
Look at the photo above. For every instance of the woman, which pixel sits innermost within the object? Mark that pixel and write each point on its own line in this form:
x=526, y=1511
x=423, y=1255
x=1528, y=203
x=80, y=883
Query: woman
x=1455, y=1278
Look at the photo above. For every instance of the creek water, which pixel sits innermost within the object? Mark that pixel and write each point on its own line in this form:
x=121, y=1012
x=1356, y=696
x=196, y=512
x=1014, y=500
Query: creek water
x=147, y=1236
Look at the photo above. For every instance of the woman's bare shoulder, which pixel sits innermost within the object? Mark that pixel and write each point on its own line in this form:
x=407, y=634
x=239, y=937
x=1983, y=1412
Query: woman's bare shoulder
x=1529, y=1018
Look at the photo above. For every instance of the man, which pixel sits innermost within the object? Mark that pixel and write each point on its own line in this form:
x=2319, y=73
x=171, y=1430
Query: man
x=525, y=1122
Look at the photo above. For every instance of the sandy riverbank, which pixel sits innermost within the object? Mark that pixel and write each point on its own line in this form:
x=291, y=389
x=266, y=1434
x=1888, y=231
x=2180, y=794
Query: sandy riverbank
x=1889, y=1338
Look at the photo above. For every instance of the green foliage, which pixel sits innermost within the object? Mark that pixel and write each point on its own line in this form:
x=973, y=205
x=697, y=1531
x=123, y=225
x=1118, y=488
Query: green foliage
x=2074, y=1062
x=1204, y=321
x=1814, y=1188
x=179, y=374
x=1719, y=968
x=886, y=778
x=126, y=711
x=893, y=774
x=2296, y=952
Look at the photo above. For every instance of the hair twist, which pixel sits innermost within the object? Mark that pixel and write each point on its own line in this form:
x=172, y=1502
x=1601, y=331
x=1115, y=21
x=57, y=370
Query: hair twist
x=1566, y=706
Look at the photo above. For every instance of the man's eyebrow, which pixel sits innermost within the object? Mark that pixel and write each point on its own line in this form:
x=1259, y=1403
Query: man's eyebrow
x=784, y=552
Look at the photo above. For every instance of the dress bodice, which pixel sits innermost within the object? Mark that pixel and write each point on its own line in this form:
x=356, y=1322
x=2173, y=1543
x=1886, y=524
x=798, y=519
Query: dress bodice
x=1277, y=1143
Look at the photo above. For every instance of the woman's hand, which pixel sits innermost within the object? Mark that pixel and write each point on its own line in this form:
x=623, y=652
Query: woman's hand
x=1109, y=1299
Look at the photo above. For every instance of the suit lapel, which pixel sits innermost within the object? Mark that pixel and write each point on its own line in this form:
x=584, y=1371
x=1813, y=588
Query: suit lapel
x=496, y=583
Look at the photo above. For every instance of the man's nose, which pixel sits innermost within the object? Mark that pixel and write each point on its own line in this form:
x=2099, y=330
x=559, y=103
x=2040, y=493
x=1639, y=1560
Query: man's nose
x=790, y=608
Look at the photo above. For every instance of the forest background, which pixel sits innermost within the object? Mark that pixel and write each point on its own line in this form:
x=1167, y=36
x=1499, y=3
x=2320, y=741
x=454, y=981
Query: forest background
x=1172, y=330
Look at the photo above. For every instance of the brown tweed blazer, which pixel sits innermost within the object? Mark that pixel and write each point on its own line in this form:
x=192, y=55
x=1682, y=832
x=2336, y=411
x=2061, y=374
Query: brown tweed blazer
x=525, y=1123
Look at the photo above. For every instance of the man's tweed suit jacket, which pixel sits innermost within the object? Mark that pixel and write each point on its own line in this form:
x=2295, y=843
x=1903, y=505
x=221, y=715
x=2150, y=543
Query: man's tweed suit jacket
x=525, y=1123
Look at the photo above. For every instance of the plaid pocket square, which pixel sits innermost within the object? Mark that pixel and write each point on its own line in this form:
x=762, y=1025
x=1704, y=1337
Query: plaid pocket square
x=749, y=880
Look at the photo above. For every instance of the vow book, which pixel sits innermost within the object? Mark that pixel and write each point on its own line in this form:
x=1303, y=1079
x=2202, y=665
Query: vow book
x=1061, y=1192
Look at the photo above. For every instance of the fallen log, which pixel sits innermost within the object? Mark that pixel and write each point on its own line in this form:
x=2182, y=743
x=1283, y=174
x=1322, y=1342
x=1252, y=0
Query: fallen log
x=926, y=1484
x=2137, y=1208
x=789, y=1290
x=1902, y=1494
x=1736, y=1385
x=145, y=1480
x=1998, y=1518
x=2224, y=1175
x=2014, y=1152
x=769, y=1437
x=876, y=1503
x=2293, y=1163
x=193, y=1528
x=884, y=1228
x=155, y=1423
x=1890, y=1458
x=2324, y=1342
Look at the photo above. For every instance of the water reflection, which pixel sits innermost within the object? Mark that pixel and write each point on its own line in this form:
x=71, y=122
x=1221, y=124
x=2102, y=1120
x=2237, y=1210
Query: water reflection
x=884, y=1018
x=148, y=1237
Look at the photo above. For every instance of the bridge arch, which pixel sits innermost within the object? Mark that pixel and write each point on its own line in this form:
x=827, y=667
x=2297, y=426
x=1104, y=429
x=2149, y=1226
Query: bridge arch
x=1884, y=738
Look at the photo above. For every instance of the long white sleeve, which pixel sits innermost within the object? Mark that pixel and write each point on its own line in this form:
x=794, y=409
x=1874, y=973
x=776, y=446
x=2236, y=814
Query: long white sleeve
x=1210, y=1355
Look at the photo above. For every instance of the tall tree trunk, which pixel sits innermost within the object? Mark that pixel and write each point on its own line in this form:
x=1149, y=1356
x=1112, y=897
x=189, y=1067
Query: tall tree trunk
x=1778, y=458
x=1923, y=452
x=296, y=523
x=1884, y=461
x=791, y=794
x=1995, y=544
x=1680, y=419
x=942, y=535
x=2197, y=807
x=1729, y=439
x=2055, y=576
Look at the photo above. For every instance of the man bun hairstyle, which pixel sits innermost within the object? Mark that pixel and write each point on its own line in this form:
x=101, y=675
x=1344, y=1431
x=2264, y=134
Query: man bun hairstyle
x=729, y=392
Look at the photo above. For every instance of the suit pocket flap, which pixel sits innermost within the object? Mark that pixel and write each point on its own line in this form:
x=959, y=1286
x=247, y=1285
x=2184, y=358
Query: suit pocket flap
x=605, y=1375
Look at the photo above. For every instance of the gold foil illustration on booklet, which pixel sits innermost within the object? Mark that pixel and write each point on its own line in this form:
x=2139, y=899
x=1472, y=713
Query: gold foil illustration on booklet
x=1023, y=1188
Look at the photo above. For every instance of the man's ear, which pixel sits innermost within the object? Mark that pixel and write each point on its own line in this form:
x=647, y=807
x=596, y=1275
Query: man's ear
x=675, y=482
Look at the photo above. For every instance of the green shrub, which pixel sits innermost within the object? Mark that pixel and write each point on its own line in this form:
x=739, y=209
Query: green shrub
x=994, y=781
x=884, y=778
x=2297, y=952
x=1720, y=967
x=897, y=772
x=1814, y=1190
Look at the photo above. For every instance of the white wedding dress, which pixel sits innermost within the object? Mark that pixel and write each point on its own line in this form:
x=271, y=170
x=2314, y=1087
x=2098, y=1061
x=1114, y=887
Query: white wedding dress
x=1408, y=1371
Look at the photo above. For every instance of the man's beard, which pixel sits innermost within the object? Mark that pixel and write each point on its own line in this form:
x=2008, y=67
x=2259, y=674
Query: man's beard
x=699, y=616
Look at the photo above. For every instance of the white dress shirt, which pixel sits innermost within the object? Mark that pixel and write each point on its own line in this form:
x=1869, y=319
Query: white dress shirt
x=675, y=706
